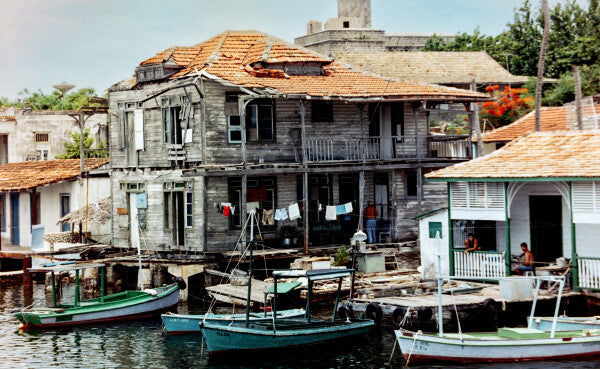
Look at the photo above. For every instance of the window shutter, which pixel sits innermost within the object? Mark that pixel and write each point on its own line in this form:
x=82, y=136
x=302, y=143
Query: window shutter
x=121, y=130
x=459, y=195
x=586, y=196
x=138, y=124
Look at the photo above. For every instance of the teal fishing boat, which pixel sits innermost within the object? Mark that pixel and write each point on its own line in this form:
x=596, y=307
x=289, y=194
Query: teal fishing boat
x=286, y=333
x=121, y=306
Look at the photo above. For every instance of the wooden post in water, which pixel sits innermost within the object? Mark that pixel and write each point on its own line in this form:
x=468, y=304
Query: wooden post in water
x=76, y=287
x=26, y=273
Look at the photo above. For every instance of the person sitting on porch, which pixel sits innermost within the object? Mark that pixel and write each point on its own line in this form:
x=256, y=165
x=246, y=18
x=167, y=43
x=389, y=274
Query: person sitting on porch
x=471, y=243
x=527, y=261
x=371, y=214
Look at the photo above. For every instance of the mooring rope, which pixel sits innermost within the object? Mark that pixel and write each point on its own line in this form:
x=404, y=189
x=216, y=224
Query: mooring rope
x=413, y=347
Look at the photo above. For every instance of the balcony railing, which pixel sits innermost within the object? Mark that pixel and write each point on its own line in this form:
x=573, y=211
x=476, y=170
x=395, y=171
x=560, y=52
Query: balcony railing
x=589, y=272
x=479, y=264
x=449, y=147
x=386, y=148
x=95, y=159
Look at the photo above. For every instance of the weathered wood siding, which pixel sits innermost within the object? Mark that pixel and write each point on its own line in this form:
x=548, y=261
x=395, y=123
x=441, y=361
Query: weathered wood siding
x=156, y=236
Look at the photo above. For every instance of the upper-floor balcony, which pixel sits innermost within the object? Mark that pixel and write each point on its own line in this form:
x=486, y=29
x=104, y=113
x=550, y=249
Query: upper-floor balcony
x=406, y=147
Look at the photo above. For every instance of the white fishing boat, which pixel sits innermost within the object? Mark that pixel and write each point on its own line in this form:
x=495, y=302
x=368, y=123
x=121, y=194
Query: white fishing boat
x=505, y=345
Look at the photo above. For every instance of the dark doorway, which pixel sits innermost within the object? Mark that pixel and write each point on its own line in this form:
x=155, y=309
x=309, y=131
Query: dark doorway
x=14, y=218
x=485, y=231
x=545, y=215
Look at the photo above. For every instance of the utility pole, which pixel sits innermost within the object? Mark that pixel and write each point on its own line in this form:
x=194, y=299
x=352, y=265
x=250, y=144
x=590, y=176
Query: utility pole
x=578, y=97
x=541, y=62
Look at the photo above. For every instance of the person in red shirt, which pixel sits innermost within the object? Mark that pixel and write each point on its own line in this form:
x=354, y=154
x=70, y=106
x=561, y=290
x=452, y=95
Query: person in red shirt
x=370, y=215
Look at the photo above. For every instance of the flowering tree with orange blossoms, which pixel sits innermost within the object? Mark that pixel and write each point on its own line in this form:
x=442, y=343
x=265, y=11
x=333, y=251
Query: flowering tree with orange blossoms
x=509, y=105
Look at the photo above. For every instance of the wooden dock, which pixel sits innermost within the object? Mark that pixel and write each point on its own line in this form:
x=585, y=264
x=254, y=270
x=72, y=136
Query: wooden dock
x=476, y=310
x=237, y=295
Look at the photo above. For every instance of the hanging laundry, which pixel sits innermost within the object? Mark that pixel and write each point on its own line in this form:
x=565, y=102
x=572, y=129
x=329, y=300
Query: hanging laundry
x=267, y=218
x=281, y=214
x=225, y=208
x=348, y=206
x=294, y=212
x=340, y=209
x=330, y=213
x=256, y=194
x=232, y=210
x=253, y=205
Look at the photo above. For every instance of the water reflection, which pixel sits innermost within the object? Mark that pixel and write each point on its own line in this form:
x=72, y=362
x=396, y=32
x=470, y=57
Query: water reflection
x=142, y=345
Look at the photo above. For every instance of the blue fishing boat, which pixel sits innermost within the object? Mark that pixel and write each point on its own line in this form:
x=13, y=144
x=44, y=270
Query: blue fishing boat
x=286, y=333
x=175, y=324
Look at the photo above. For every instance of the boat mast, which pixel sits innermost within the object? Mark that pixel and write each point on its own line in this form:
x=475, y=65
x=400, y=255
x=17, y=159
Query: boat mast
x=440, y=281
x=135, y=238
x=252, y=212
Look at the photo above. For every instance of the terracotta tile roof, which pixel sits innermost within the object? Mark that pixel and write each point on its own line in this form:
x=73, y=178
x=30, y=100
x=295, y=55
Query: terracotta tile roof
x=553, y=118
x=30, y=174
x=536, y=155
x=239, y=57
x=446, y=67
x=7, y=115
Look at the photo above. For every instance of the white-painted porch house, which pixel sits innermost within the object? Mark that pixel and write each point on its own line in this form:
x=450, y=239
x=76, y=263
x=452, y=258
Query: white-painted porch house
x=542, y=189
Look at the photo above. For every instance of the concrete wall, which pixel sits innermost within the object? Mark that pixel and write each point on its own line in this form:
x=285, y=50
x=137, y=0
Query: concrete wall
x=431, y=246
x=57, y=124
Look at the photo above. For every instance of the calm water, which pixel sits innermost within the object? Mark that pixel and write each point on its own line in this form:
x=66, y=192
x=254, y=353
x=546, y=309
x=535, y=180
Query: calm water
x=141, y=345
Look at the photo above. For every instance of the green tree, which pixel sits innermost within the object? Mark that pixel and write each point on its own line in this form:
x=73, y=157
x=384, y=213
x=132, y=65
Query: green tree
x=38, y=100
x=72, y=147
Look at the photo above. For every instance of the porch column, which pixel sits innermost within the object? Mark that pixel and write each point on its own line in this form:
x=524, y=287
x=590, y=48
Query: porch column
x=507, y=233
x=417, y=136
x=302, y=107
x=392, y=184
x=574, y=262
x=450, y=233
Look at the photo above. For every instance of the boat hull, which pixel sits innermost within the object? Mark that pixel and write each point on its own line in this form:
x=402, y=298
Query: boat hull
x=426, y=348
x=136, y=308
x=225, y=339
x=176, y=324
x=565, y=323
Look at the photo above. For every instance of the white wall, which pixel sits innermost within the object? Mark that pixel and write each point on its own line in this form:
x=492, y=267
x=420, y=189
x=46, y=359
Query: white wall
x=519, y=216
x=99, y=188
x=587, y=240
x=429, y=246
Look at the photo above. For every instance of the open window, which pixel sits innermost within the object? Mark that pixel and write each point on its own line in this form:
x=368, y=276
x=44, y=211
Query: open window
x=322, y=111
x=261, y=193
x=260, y=121
x=171, y=119
x=178, y=209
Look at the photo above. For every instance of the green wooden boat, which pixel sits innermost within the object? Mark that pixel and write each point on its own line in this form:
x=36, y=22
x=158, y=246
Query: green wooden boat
x=121, y=306
x=286, y=333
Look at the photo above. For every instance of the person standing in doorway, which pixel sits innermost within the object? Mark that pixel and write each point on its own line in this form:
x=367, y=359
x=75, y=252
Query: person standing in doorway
x=370, y=215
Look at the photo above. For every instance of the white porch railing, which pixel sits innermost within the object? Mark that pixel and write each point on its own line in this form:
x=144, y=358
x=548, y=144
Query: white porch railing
x=589, y=272
x=479, y=264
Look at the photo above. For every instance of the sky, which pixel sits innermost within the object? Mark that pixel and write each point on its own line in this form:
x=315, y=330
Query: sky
x=96, y=43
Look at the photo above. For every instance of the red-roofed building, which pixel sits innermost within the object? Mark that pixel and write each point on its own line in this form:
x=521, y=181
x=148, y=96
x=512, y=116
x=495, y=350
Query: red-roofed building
x=542, y=189
x=248, y=120
x=41, y=192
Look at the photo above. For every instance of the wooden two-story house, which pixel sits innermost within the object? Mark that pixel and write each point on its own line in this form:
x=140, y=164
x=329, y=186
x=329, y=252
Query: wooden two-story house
x=202, y=134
